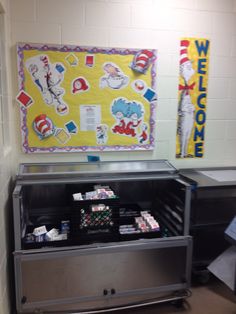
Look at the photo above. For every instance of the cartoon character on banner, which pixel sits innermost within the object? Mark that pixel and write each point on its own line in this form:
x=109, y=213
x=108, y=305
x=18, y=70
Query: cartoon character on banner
x=114, y=77
x=101, y=133
x=48, y=77
x=43, y=126
x=144, y=134
x=186, y=108
x=128, y=116
x=185, y=123
x=139, y=86
x=119, y=109
x=135, y=112
x=141, y=61
x=80, y=84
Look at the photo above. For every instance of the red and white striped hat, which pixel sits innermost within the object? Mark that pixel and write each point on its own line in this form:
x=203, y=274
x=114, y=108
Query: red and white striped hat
x=44, y=59
x=43, y=125
x=183, y=51
x=141, y=61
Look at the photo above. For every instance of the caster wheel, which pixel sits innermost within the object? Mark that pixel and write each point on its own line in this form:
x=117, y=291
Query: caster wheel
x=178, y=303
x=201, y=276
x=204, y=277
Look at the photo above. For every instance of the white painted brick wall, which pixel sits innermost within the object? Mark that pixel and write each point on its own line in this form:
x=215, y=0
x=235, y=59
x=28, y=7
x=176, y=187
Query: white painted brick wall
x=233, y=51
x=231, y=130
x=36, y=32
x=166, y=109
x=23, y=11
x=193, y=21
x=129, y=37
x=231, y=113
x=59, y=11
x=217, y=108
x=215, y=150
x=85, y=36
x=215, y=5
x=230, y=153
x=232, y=88
x=154, y=24
x=218, y=87
x=223, y=67
x=142, y=16
x=106, y=14
x=215, y=130
x=221, y=45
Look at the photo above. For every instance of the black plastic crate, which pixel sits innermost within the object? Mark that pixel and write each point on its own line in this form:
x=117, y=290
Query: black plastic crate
x=103, y=231
x=35, y=245
x=114, y=202
x=89, y=236
x=130, y=212
x=127, y=213
x=141, y=235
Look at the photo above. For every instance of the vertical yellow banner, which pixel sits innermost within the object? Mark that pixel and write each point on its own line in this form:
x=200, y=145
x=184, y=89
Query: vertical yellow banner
x=192, y=97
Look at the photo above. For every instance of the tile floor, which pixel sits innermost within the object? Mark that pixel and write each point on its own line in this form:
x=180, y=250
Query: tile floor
x=212, y=298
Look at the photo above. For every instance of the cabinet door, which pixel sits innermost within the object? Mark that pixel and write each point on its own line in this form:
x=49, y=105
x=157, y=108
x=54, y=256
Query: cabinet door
x=49, y=278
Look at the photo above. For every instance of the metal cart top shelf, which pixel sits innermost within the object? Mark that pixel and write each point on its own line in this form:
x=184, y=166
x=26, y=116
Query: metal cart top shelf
x=99, y=171
x=210, y=177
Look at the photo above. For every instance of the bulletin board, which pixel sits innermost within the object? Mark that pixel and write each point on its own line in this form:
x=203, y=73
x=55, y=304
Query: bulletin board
x=192, y=97
x=75, y=98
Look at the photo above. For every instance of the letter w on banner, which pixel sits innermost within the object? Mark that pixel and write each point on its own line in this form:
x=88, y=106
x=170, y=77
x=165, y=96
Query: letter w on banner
x=192, y=97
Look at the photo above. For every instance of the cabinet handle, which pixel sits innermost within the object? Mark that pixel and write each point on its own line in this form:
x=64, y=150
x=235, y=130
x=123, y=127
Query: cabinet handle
x=105, y=292
x=113, y=291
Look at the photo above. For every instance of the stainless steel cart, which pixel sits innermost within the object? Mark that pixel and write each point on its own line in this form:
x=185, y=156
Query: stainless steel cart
x=105, y=272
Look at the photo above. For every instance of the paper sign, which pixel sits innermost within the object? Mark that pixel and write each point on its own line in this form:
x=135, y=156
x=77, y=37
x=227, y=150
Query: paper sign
x=90, y=117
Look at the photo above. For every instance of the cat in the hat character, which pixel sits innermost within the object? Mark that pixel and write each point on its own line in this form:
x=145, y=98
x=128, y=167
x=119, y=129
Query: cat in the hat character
x=38, y=74
x=186, y=67
x=186, y=108
x=48, y=77
x=185, y=122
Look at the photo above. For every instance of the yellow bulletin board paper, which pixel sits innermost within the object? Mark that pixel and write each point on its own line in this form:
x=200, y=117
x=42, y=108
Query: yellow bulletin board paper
x=76, y=99
x=192, y=97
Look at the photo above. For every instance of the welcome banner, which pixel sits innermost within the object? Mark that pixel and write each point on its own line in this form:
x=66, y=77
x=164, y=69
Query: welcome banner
x=192, y=97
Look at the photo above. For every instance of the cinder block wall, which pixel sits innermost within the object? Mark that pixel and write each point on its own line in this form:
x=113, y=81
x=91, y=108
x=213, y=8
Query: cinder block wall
x=146, y=23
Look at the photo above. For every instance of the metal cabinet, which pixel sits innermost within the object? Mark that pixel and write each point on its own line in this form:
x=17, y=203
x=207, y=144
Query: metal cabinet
x=213, y=206
x=108, y=271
